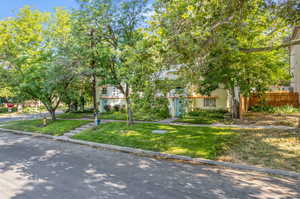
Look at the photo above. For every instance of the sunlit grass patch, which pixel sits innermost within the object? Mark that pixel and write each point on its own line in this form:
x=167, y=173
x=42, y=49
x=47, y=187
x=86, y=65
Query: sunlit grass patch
x=57, y=128
x=182, y=140
x=274, y=148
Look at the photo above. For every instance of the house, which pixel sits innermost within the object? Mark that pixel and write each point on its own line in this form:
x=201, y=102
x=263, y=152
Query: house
x=180, y=99
x=295, y=60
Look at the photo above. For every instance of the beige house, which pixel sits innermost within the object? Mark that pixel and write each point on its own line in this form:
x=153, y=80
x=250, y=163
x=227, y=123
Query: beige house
x=295, y=60
x=179, y=102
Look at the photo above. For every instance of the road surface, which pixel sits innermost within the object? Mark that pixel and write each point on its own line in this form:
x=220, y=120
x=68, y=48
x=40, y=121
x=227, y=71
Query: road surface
x=14, y=117
x=38, y=168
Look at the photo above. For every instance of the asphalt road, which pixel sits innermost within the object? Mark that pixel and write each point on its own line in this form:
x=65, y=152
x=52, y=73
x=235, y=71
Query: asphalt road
x=23, y=117
x=38, y=168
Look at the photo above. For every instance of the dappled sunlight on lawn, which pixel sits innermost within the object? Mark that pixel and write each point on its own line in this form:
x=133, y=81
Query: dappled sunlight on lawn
x=181, y=140
x=279, y=149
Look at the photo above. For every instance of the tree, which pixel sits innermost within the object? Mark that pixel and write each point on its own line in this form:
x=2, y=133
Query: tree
x=112, y=31
x=29, y=47
x=234, y=43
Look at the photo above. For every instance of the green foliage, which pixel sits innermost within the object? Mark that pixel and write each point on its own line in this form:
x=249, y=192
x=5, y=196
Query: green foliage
x=287, y=109
x=220, y=43
x=202, y=116
x=30, y=55
x=5, y=110
x=151, y=105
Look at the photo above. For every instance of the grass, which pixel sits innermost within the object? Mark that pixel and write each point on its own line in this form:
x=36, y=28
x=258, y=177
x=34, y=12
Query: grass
x=271, y=148
x=278, y=149
x=181, y=140
x=123, y=116
x=203, y=117
x=75, y=115
x=113, y=116
x=110, y=116
x=57, y=128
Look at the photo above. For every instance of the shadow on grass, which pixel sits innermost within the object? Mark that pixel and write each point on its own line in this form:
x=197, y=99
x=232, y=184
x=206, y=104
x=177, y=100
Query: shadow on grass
x=278, y=149
x=181, y=140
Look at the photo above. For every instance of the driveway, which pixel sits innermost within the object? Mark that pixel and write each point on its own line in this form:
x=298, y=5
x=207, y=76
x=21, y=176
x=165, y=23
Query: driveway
x=37, y=168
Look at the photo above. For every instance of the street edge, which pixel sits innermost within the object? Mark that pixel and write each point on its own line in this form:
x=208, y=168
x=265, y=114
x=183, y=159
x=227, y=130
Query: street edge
x=159, y=155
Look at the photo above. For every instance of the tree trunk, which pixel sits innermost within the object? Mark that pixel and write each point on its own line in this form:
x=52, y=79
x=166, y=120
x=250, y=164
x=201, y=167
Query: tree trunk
x=53, y=115
x=236, y=103
x=129, y=111
x=94, y=87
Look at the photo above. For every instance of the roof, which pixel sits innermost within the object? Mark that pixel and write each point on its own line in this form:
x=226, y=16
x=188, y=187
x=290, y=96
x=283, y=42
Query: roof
x=295, y=31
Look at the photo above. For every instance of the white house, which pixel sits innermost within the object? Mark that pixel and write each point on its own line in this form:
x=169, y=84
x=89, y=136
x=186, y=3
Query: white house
x=295, y=60
x=185, y=100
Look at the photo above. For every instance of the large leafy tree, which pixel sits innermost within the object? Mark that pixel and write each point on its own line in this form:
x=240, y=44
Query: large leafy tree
x=109, y=33
x=237, y=44
x=30, y=50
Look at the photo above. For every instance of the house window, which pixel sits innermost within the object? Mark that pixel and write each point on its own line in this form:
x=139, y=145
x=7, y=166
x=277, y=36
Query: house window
x=104, y=91
x=210, y=102
x=115, y=91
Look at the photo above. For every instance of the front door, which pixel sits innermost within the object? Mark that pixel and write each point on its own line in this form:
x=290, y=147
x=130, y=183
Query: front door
x=104, y=103
x=178, y=107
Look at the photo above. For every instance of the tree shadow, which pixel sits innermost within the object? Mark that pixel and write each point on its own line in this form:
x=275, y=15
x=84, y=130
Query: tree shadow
x=274, y=148
x=40, y=168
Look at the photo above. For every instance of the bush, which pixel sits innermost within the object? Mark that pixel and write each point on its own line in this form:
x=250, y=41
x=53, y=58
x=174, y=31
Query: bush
x=5, y=110
x=207, y=113
x=123, y=109
x=286, y=109
x=107, y=108
x=262, y=108
x=117, y=108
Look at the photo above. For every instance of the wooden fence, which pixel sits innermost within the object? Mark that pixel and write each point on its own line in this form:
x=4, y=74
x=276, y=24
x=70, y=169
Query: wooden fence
x=271, y=99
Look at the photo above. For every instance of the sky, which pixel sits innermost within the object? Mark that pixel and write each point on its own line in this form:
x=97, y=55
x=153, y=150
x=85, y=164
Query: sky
x=9, y=8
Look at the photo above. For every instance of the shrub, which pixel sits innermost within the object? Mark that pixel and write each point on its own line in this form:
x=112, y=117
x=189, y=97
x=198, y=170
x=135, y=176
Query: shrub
x=262, y=108
x=123, y=109
x=204, y=112
x=286, y=109
x=117, y=108
x=5, y=110
x=107, y=108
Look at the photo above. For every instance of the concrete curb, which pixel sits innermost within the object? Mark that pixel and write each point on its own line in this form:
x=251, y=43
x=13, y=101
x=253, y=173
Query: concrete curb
x=159, y=155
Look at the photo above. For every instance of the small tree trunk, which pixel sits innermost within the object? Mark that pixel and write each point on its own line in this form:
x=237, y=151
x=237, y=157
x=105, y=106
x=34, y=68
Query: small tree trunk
x=94, y=85
x=129, y=111
x=53, y=115
x=236, y=103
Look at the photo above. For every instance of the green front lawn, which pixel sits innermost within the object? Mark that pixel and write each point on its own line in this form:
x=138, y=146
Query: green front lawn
x=278, y=149
x=110, y=116
x=57, y=128
x=75, y=115
x=136, y=115
x=204, y=117
x=182, y=140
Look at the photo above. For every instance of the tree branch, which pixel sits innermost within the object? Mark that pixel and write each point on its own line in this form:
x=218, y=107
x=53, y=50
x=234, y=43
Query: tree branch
x=270, y=48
